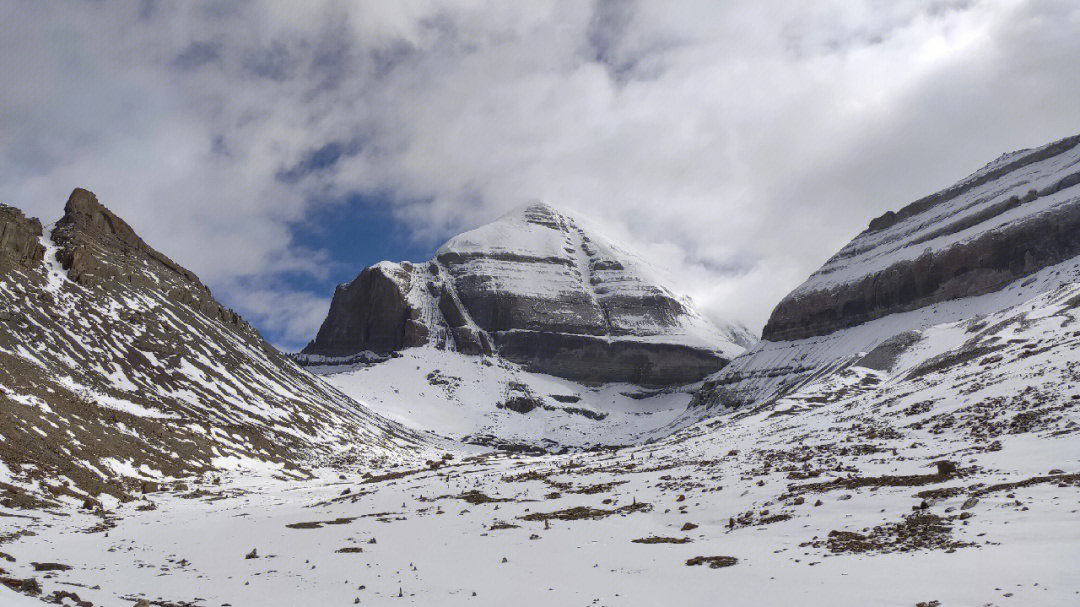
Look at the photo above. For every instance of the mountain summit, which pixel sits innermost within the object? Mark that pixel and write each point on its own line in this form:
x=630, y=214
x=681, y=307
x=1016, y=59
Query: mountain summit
x=539, y=289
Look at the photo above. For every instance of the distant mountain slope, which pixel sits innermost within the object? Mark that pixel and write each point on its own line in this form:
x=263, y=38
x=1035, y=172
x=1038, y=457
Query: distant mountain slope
x=539, y=289
x=1013, y=217
x=998, y=238
x=118, y=369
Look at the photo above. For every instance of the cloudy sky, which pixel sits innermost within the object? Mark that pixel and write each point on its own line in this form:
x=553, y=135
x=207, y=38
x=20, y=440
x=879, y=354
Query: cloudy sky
x=277, y=150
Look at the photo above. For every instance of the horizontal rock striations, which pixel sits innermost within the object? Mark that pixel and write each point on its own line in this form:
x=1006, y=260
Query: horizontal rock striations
x=1009, y=231
x=538, y=289
x=1011, y=219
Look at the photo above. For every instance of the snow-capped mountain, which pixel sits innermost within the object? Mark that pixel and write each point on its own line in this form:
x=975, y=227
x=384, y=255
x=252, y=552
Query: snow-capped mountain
x=539, y=289
x=1004, y=235
x=119, y=371
x=940, y=473
x=921, y=451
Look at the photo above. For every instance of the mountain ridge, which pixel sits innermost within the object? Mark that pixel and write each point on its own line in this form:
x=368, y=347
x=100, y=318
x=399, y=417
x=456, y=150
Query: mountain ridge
x=1009, y=231
x=120, y=371
x=1003, y=222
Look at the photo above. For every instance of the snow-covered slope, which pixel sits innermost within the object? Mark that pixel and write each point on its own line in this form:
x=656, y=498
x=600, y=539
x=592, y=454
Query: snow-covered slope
x=491, y=401
x=1013, y=217
x=119, y=371
x=1003, y=235
x=538, y=289
x=943, y=471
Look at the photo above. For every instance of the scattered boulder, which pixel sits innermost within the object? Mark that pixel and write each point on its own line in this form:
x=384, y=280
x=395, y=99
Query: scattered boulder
x=26, y=586
x=50, y=567
x=945, y=467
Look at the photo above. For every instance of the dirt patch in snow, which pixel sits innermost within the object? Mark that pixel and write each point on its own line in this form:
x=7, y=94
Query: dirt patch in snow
x=1068, y=479
x=714, y=562
x=858, y=482
x=656, y=539
x=319, y=524
x=585, y=513
x=919, y=531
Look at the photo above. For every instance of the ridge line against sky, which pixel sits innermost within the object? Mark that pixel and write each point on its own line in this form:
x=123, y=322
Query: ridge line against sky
x=276, y=149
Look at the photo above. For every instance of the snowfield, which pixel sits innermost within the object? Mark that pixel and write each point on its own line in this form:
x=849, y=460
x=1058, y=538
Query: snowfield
x=472, y=531
x=459, y=396
x=923, y=459
x=948, y=471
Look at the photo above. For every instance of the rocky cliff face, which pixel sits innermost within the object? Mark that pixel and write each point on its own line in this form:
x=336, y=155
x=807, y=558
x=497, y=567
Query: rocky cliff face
x=541, y=290
x=372, y=313
x=95, y=247
x=20, y=238
x=119, y=371
x=1007, y=232
x=1012, y=218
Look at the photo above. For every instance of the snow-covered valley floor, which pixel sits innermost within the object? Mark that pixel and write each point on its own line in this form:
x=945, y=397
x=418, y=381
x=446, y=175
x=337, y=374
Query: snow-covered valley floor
x=462, y=397
x=943, y=470
x=810, y=522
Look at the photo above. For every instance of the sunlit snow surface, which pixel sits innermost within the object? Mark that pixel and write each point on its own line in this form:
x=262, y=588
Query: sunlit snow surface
x=458, y=396
x=994, y=394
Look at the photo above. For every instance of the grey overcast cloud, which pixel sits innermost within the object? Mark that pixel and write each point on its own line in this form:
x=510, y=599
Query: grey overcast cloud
x=736, y=144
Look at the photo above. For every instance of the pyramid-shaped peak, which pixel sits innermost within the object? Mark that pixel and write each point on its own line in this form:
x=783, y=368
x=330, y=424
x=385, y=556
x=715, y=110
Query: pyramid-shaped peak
x=540, y=288
x=539, y=207
x=538, y=212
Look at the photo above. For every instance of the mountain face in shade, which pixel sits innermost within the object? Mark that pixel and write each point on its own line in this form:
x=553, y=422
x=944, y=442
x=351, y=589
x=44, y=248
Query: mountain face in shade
x=119, y=370
x=537, y=288
x=1009, y=231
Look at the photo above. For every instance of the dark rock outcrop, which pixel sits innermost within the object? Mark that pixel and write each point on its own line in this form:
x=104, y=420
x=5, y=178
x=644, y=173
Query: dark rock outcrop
x=20, y=238
x=370, y=313
x=592, y=359
x=96, y=248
